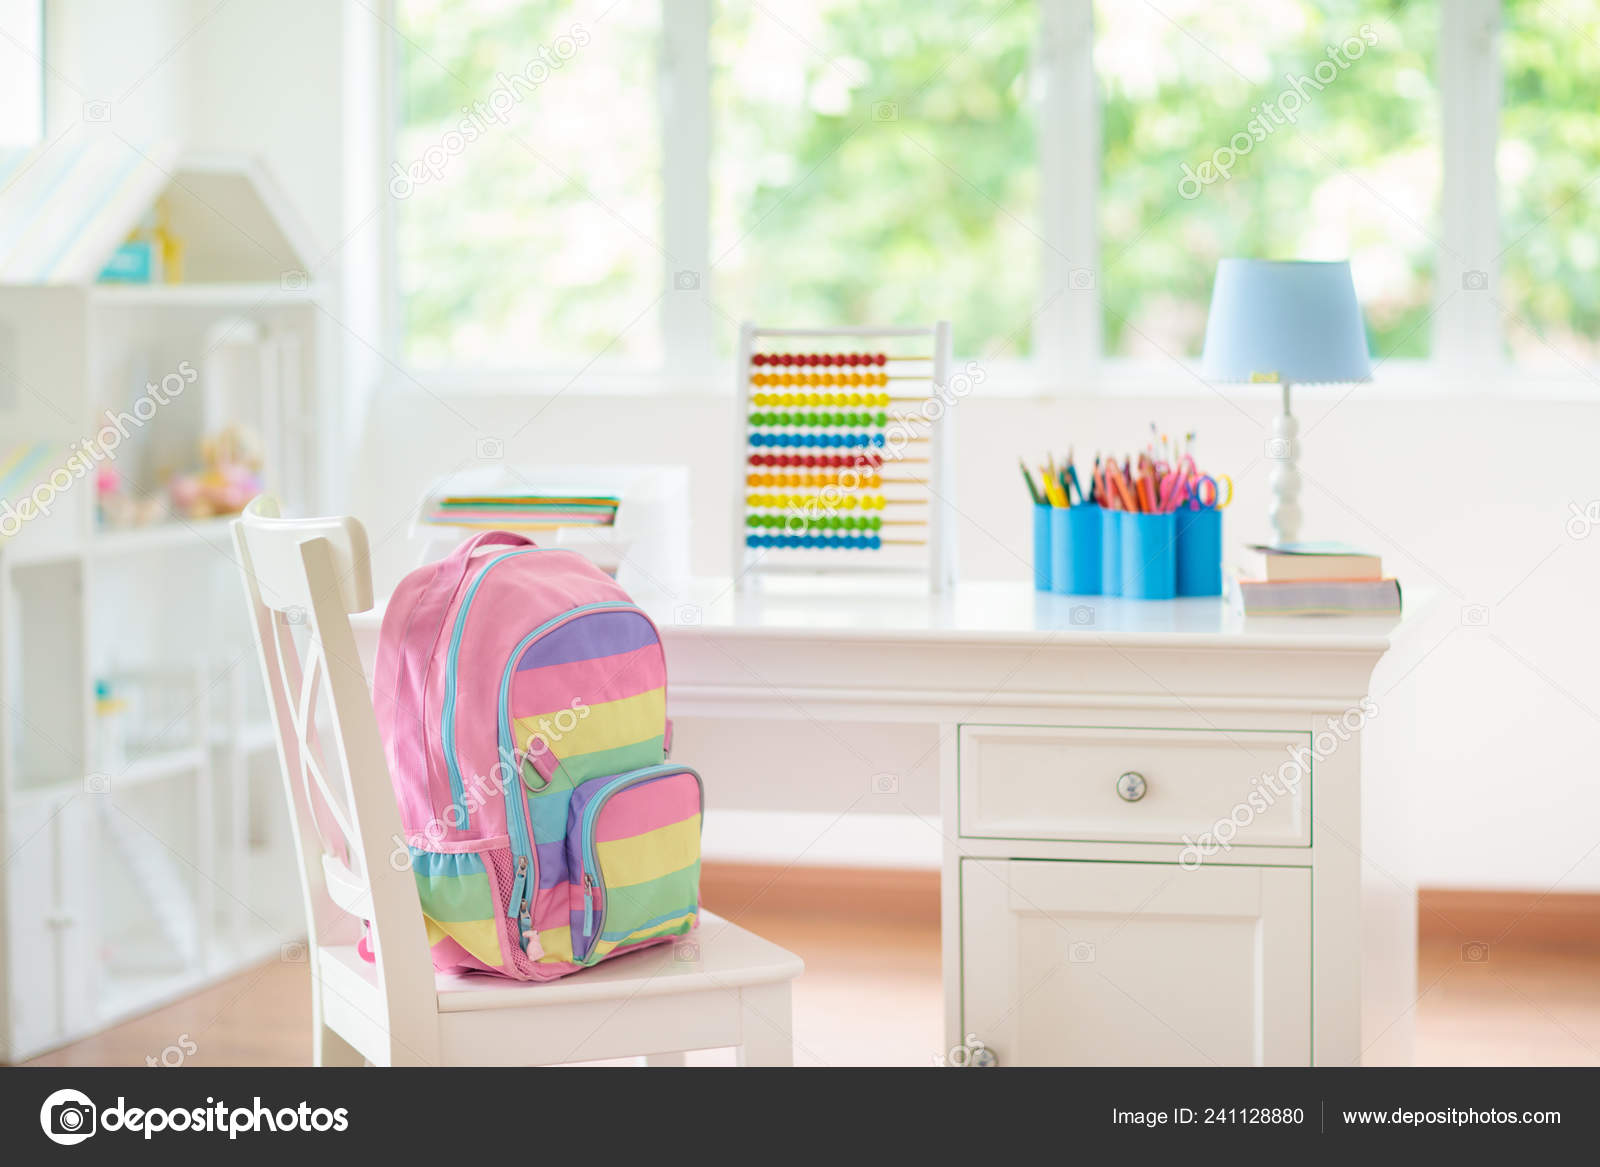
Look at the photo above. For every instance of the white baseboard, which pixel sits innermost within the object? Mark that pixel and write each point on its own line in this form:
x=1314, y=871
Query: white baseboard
x=812, y=839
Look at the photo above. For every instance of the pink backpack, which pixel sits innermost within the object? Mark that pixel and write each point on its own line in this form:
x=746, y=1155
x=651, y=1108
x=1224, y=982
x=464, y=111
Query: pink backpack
x=522, y=700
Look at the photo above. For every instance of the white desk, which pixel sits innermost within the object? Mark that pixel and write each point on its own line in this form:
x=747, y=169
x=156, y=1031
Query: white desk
x=1078, y=927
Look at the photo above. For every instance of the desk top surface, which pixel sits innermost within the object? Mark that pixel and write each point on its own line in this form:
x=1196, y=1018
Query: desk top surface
x=993, y=611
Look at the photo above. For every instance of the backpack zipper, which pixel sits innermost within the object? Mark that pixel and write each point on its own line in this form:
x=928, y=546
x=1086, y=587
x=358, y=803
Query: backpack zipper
x=592, y=876
x=447, y=721
x=518, y=831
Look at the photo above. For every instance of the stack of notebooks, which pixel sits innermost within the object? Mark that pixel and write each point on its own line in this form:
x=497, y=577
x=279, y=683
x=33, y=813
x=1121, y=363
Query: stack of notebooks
x=1314, y=579
x=522, y=512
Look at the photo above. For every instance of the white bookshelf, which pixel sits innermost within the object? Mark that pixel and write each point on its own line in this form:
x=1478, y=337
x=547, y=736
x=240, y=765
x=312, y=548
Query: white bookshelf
x=152, y=857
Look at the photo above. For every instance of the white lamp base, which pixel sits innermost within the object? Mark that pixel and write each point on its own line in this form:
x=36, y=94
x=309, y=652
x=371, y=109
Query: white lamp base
x=1283, y=448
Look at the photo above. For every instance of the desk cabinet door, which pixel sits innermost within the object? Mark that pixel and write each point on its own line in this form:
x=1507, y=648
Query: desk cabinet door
x=1087, y=963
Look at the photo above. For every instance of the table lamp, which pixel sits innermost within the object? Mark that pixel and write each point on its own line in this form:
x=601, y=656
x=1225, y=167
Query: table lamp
x=1285, y=321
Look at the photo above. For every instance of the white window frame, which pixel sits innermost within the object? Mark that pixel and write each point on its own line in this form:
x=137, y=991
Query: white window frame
x=24, y=128
x=1466, y=354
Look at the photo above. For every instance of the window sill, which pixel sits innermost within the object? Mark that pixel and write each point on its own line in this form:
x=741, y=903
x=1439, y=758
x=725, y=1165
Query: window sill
x=1016, y=380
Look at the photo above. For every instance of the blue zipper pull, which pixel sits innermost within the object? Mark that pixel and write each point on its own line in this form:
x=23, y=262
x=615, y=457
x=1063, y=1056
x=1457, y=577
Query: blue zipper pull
x=519, y=890
x=588, y=904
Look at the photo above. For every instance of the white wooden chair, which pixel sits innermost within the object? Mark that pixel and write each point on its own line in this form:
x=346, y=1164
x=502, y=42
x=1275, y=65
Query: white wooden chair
x=720, y=986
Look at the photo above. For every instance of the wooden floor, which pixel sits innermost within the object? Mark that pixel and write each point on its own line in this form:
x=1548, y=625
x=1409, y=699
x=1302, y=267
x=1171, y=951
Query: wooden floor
x=871, y=996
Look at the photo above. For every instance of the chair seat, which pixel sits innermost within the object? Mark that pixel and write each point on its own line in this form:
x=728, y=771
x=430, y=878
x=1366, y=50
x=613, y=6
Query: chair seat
x=729, y=957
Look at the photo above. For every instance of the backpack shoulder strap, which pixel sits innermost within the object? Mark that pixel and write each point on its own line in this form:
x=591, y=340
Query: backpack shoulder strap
x=412, y=622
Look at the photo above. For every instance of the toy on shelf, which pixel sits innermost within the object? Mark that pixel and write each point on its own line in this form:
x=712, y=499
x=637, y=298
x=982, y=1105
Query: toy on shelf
x=116, y=508
x=846, y=454
x=110, y=712
x=231, y=478
x=151, y=254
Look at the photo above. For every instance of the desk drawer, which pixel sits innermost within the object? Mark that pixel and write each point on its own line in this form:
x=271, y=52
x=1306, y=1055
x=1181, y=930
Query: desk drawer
x=1065, y=783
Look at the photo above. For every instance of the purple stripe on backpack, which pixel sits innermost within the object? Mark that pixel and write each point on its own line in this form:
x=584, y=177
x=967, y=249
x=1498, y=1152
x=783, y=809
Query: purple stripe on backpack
x=552, y=863
x=598, y=634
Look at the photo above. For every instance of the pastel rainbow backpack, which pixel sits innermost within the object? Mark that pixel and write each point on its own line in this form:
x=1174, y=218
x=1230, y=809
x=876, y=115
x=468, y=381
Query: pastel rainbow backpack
x=521, y=696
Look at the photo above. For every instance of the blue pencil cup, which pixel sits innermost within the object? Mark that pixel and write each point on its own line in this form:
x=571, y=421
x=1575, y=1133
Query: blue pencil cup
x=1041, y=546
x=1075, y=550
x=1110, y=552
x=1199, y=552
x=1149, y=556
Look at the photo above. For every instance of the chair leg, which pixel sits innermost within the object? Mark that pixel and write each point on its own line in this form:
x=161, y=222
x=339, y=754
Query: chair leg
x=672, y=1059
x=766, y=1025
x=329, y=1049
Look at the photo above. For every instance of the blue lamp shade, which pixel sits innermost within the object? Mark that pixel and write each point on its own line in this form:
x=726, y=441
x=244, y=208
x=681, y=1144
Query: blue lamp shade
x=1296, y=318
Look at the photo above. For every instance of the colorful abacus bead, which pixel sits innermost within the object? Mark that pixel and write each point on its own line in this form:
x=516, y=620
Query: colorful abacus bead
x=861, y=460
x=848, y=479
x=819, y=380
x=830, y=542
x=770, y=417
x=816, y=503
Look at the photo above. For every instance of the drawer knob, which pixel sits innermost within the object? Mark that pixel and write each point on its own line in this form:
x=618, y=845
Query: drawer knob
x=1131, y=786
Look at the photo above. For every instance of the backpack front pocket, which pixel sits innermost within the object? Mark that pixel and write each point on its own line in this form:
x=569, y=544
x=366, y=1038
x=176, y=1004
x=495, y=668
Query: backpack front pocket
x=633, y=851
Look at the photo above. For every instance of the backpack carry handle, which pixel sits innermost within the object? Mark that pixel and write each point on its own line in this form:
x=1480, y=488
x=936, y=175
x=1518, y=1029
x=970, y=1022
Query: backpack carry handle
x=488, y=539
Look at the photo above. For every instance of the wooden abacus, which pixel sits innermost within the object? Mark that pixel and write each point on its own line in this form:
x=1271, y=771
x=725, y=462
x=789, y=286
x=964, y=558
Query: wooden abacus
x=845, y=455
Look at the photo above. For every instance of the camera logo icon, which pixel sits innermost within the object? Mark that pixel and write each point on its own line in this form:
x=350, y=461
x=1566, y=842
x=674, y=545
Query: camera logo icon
x=885, y=111
x=491, y=449
x=1081, y=279
x=97, y=111
x=68, y=1117
x=1474, y=616
x=1474, y=281
x=1475, y=952
x=686, y=281
x=886, y=784
x=1081, y=614
x=1584, y=519
x=294, y=281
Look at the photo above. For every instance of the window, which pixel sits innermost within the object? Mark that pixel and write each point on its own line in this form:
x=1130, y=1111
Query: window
x=873, y=163
x=1548, y=164
x=21, y=74
x=1058, y=177
x=1288, y=129
x=519, y=242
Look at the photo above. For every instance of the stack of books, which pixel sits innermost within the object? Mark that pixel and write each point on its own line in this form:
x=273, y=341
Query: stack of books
x=1313, y=579
x=522, y=512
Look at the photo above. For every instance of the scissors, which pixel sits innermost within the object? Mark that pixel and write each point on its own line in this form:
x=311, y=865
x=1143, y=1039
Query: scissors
x=1213, y=500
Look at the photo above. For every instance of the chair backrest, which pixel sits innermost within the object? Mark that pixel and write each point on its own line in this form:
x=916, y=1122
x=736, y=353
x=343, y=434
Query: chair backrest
x=312, y=574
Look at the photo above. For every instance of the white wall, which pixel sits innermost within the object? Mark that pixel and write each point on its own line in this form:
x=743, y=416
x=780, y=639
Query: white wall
x=1466, y=498
x=122, y=55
